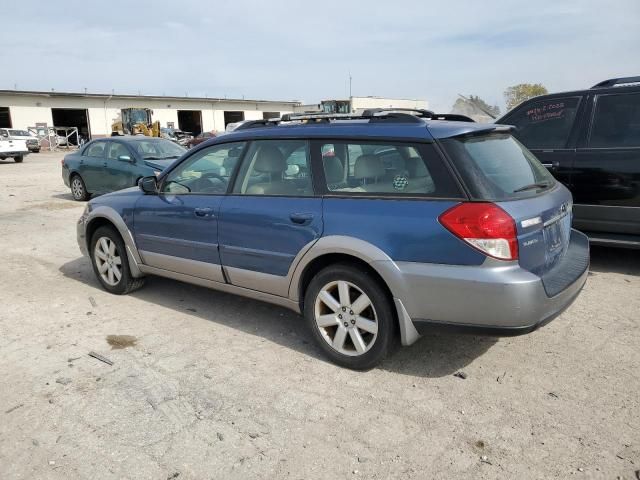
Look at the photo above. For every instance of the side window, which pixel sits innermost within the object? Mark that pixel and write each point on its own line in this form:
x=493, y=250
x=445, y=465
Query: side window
x=616, y=121
x=276, y=167
x=382, y=168
x=206, y=172
x=96, y=149
x=117, y=150
x=545, y=124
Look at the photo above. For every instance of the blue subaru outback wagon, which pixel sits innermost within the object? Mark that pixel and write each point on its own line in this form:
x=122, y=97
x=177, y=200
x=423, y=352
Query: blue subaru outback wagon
x=389, y=223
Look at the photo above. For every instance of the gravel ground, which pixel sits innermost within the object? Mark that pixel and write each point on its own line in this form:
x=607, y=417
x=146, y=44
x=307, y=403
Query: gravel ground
x=209, y=385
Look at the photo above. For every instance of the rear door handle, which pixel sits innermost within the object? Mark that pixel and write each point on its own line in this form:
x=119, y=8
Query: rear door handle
x=204, y=212
x=301, y=218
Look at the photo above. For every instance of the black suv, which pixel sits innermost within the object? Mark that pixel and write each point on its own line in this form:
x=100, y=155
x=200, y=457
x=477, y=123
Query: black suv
x=590, y=141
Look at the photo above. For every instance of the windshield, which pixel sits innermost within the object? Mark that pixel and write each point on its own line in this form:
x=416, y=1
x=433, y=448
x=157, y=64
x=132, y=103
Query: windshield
x=139, y=116
x=498, y=167
x=158, y=149
x=19, y=133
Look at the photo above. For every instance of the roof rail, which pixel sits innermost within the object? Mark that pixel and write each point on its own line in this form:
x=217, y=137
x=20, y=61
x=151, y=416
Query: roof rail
x=293, y=117
x=421, y=113
x=390, y=116
x=612, y=82
x=257, y=124
x=452, y=117
x=373, y=115
x=370, y=112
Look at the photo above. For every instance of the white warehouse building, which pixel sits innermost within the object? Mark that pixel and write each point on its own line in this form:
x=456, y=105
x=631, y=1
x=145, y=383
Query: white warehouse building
x=94, y=113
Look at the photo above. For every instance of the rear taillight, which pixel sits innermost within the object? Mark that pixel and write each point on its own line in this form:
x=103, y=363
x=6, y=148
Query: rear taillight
x=62, y=162
x=484, y=226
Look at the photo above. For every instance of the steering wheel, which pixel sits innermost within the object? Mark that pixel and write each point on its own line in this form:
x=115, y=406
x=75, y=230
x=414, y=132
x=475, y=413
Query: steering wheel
x=201, y=186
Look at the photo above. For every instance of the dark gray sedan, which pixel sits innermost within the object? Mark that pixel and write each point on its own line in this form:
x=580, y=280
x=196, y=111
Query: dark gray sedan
x=110, y=164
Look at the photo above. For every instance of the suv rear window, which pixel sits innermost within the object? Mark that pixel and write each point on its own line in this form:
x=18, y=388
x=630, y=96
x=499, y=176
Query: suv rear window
x=497, y=167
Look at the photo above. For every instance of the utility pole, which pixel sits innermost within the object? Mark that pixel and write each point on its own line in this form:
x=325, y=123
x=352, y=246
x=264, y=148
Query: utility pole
x=349, y=84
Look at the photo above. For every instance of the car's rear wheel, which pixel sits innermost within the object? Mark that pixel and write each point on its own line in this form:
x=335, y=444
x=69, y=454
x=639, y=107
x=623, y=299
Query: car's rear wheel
x=78, y=190
x=350, y=316
x=110, y=262
x=18, y=159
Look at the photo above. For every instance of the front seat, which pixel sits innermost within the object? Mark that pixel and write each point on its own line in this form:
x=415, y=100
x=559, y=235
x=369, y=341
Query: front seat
x=270, y=161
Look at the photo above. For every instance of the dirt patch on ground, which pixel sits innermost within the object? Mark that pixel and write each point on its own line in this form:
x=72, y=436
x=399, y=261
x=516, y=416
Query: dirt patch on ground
x=119, y=342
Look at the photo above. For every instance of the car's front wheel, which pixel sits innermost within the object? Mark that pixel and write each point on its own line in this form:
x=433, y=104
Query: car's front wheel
x=18, y=159
x=350, y=316
x=78, y=190
x=110, y=262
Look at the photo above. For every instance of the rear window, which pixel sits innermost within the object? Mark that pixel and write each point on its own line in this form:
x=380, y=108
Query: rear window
x=497, y=167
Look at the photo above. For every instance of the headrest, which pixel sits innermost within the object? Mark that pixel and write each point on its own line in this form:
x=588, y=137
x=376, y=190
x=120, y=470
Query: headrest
x=368, y=166
x=270, y=160
x=333, y=169
x=416, y=167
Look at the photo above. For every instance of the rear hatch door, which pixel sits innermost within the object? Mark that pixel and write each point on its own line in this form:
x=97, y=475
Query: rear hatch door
x=496, y=168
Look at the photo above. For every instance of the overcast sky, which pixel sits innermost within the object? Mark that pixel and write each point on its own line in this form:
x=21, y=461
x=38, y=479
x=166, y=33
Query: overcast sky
x=304, y=50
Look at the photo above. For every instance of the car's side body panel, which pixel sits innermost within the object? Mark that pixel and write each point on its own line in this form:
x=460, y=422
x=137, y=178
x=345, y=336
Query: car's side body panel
x=180, y=233
x=405, y=229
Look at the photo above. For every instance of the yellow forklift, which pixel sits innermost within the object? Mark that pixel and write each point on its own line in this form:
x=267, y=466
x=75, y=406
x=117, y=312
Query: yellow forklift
x=136, y=121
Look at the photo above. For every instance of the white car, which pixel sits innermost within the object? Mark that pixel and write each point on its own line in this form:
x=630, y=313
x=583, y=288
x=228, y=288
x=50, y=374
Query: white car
x=13, y=148
x=15, y=134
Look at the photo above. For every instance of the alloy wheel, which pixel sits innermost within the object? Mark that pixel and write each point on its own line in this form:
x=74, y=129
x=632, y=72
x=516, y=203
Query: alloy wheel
x=346, y=318
x=77, y=189
x=108, y=261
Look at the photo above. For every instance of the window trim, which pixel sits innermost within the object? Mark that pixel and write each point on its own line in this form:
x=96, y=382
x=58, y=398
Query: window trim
x=592, y=122
x=166, y=173
x=323, y=189
x=523, y=106
x=245, y=158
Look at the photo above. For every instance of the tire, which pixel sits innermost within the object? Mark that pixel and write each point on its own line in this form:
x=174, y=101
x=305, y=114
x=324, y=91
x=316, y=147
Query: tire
x=366, y=336
x=107, y=248
x=78, y=190
x=18, y=159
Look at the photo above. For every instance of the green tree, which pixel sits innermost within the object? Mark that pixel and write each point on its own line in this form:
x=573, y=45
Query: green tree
x=517, y=94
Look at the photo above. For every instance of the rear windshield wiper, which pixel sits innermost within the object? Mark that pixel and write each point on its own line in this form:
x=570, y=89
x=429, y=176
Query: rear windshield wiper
x=532, y=186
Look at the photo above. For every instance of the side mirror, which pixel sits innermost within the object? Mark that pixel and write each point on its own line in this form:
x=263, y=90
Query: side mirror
x=125, y=158
x=148, y=184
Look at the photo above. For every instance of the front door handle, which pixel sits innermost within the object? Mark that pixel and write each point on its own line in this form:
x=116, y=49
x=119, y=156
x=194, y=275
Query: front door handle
x=551, y=165
x=301, y=218
x=204, y=212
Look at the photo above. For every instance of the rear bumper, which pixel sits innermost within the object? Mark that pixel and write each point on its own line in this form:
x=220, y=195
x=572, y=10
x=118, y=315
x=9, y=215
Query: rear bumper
x=81, y=234
x=21, y=153
x=496, y=297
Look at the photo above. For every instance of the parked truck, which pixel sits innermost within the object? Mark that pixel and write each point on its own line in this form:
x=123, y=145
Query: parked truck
x=16, y=149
